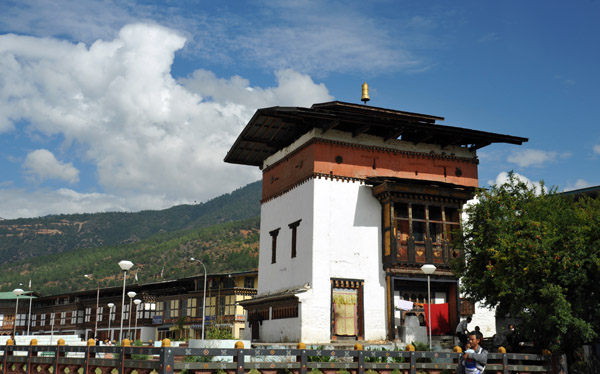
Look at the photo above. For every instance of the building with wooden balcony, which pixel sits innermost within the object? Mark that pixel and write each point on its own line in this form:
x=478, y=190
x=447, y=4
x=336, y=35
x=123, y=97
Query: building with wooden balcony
x=167, y=309
x=355, y=200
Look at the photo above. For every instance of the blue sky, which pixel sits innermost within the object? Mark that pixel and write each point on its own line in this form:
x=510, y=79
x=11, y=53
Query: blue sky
x=130, y=105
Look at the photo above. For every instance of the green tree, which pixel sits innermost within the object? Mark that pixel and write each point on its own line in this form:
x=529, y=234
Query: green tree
x=535, y=254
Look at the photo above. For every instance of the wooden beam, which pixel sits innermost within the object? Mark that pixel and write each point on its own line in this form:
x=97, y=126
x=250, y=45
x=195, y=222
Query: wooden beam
x=394, y=134
x=423, y=138
x=330, y=125
x=476, y=146
x=360, y=130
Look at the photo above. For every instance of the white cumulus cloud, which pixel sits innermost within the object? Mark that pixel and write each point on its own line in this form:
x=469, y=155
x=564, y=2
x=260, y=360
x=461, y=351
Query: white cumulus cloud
x=503, y=178
x=118, y=108
x=596, y=149
x=534, y=157
x=41, y=165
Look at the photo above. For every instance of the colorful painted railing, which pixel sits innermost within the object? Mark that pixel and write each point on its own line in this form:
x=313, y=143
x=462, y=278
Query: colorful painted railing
x=167, y=360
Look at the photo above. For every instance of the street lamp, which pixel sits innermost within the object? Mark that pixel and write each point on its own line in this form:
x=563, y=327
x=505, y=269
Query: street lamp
x=29, y=315
x=18, y=292
x=131, y=295
x=203, y=296
x=124, y=265
x=89, y=276
x=110, y=307
x=429, y=269
x=137, y=307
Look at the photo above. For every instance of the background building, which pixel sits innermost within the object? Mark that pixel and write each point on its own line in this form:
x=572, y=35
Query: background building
x=169, y=309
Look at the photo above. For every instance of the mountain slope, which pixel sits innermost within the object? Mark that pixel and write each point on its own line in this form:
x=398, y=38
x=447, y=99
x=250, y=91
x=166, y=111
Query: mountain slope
x=225, y=247
x=22, y=239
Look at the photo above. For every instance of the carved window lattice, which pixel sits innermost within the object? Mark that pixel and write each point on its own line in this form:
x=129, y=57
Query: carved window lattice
x=423, y=232
x=284, y=311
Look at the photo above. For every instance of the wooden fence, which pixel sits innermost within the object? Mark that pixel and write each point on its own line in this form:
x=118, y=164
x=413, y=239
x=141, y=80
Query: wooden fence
x=167, y=360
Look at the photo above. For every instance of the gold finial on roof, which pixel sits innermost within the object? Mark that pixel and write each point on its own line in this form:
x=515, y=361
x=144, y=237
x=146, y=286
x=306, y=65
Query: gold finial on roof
x=365, y=93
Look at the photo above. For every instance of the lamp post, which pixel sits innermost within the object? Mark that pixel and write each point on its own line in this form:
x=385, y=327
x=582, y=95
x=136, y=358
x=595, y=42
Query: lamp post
x=203, y=296
x=429, y=269
x=29, y=315
x=137, y=307
x=18, y=292
x=124, y=265
x=110, y=307
x=89, y=276
x=131, y=295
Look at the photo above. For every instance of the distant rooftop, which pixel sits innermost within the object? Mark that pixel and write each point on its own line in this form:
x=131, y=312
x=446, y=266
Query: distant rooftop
x=272, y=129
x=588, y=191
x=9, y=295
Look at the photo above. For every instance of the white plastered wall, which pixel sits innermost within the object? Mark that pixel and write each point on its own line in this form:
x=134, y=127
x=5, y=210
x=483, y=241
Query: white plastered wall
x=484, y=318
x=339, y=237
x=286, y=272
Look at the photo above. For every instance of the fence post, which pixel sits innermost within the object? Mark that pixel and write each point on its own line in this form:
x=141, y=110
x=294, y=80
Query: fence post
x=90, y=344
x=167, y=359
x=239, y=357
x=32, y=343
x=124, y=344
x=360, y=358
x=6, y=354
x=413, y=360
x=413, y=363
x=302, y=359
x=60, y=342
x=502, y=350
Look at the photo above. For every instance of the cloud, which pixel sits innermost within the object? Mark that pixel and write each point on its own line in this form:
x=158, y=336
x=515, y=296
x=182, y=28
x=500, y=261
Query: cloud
x=502, y=178
x=534, y=157
x=324, y=37
x=293, y=89
x=596, y=149
x=41, y=202
x=315, y=37
x=118, y=108
x=83, y=20
x=41, y=165
x=579, y=184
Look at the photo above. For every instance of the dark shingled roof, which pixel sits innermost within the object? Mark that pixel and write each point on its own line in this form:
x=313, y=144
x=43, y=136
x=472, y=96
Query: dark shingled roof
x=272, y=129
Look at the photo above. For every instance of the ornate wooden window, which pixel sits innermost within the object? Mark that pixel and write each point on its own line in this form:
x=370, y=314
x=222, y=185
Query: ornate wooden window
x=423, y=232
x=191, y=307
x=284, y=311
x=174, y=308
x=248, y=282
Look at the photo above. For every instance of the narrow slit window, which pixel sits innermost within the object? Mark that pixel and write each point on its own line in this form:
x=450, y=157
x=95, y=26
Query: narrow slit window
x=274, y=234
x=294, y=227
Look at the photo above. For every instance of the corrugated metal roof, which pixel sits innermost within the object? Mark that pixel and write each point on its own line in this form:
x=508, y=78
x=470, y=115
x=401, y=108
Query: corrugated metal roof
x=11, y=295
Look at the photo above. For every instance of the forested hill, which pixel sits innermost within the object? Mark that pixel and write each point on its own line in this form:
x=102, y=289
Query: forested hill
x=225, y=247
x=22, y=239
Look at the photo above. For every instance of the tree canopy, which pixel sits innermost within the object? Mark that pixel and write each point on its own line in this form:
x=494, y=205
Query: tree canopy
x=535, y=254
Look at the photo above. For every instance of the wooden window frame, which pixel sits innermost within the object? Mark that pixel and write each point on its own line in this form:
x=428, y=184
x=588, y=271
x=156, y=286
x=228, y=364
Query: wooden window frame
x=294, y=227
x=274, y=235
x=428, y=244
